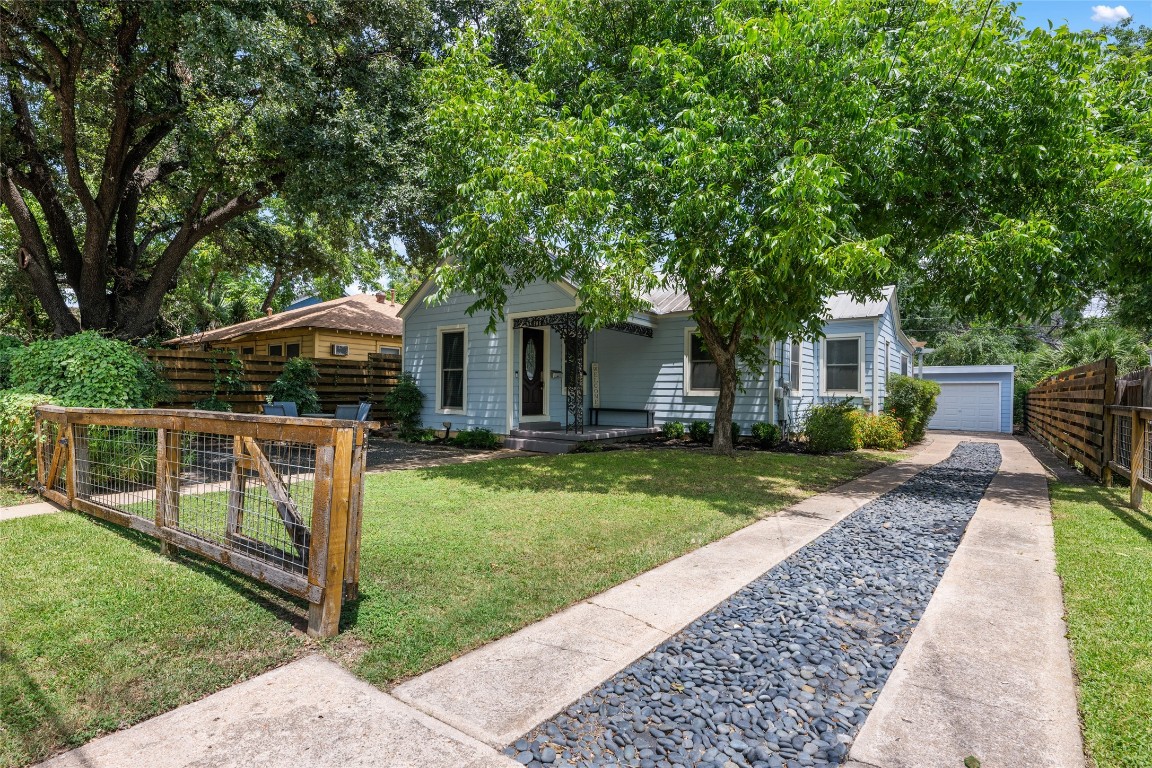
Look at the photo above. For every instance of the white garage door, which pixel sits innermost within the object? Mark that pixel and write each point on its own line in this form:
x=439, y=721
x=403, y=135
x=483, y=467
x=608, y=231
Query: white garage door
x=968, y=408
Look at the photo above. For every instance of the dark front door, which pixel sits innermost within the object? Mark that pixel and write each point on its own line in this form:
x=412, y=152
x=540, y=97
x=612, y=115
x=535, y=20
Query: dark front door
x=532, y=372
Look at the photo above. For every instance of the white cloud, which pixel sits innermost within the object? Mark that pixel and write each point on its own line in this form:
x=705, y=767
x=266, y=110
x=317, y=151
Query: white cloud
x=1109, y=14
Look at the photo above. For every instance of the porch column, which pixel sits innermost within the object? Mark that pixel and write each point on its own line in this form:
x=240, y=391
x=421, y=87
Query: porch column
x=574, y=336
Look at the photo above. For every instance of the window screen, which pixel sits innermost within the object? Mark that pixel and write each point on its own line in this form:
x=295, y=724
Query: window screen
x=842, y=367
x=452, y=369
x=276, y=350
x=703, y=373
x=292, y=350
x=794, y=372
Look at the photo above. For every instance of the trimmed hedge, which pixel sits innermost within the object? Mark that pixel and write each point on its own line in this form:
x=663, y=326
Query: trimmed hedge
x=700, y=431
x=18, y=435
x=913, y=402
x=673, y=430
x=830, y=427
x=767, y=434
x=881, y=430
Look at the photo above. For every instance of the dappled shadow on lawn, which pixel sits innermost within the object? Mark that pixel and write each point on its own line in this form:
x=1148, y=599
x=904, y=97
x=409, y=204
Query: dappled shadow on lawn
x=26, y=714
x=284, y=607
x=1139, y=521
x=744, y=485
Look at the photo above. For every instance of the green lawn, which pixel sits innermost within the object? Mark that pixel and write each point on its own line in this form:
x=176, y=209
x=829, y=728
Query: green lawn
x=1104, y=555
x=98, y=630
x=11, y=496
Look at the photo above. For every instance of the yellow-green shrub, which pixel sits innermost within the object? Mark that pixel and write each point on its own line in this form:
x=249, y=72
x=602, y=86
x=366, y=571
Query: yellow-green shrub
x=18, y=435
x=882, y=431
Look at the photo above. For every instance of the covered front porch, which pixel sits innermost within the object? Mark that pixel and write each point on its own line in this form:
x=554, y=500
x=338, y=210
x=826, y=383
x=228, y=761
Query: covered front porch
x=554, y=390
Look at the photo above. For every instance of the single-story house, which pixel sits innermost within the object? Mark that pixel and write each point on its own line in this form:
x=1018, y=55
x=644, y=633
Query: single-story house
x=542, y=370
x=973, y=398
x=350, y=328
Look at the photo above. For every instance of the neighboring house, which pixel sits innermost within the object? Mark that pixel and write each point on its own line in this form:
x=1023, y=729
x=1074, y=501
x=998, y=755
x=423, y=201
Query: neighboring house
x=540, y=369
x=349, y=328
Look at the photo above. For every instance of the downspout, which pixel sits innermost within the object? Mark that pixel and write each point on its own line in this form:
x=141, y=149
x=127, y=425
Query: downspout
x=875, y=367
x=772, y=383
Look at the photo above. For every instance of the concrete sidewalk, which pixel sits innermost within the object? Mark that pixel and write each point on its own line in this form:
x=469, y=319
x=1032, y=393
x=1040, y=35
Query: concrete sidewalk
x=987, y=672
x=502, y=690
x=28, y=510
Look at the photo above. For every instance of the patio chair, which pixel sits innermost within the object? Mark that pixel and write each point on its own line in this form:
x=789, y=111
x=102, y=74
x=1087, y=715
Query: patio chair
x=358, y=412
x=274, y=410
x=288, y=406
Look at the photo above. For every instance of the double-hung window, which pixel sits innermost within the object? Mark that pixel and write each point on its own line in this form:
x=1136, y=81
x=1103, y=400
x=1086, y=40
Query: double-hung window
x=452, y=366
x=701, y=376
x=844, y=366
x=795, y=357
x=903, y=365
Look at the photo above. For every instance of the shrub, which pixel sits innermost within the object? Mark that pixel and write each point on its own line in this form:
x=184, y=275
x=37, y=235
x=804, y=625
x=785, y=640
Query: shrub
x=735, y=433
x=913, y=402
x=295, y=384
x=212, y=404
x=830, y=428
x=87, y=370
x=699, y=431
x=405, y=403
x=476, y=438
x=8, y=347
x=881, y=430
x=18, y=435
x=767, y=434
x=673, y=430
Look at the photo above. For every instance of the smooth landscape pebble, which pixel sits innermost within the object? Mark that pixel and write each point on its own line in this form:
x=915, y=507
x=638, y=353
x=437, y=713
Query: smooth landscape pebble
x=784, y=672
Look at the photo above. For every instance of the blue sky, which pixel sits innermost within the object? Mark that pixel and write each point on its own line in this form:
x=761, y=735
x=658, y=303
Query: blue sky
x=1079, y=14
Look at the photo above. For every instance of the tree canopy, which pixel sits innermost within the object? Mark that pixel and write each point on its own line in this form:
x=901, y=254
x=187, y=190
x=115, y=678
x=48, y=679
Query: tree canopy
x=133, y=131
x=760, y=156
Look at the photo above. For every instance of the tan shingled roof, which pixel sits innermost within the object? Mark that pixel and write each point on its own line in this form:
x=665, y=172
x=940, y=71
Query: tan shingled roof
x=361, y=313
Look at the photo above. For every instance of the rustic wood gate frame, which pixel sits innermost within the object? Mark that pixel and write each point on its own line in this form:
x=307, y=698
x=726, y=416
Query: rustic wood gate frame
x=332, y=543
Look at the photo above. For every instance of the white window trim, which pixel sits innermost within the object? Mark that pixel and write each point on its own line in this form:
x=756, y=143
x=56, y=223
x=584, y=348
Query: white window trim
x=688, y=390
x=859, y=391
x=440, y=331
x=546, y=373
x=798, y=384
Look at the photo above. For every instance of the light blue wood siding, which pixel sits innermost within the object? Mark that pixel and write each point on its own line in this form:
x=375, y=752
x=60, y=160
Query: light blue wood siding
x=638, y=372
x=487, y=354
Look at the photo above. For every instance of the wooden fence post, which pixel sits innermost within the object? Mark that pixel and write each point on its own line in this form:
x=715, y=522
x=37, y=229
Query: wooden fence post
x=1109, y=421
x=318, y=545
x=355, y=518
x=1136, y=472
x=167, y=484
x=324, y=618
x=70, y=457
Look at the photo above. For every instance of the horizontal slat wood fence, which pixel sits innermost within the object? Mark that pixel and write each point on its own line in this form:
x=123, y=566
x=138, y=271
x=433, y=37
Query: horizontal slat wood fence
x=276, y=498
x=1097, y=420
x=192, y=374
x=1067, y=412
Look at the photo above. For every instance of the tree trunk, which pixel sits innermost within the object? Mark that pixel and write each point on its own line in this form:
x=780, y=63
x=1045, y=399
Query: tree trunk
x=270, y=296
x=723, y=348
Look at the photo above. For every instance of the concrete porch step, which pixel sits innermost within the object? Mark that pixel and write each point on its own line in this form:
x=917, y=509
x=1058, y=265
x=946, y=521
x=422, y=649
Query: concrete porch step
x=538, y=446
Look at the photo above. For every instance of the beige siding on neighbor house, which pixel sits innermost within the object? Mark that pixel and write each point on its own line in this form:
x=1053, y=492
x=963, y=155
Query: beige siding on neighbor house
x=360, y=345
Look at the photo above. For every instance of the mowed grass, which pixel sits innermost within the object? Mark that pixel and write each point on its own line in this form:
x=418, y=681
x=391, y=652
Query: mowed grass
x=457, y=556
x=1104, y=556
x=98, y=630
x=10, y=496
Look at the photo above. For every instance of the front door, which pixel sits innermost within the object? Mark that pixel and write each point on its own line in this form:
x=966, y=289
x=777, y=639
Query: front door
x=532, y=372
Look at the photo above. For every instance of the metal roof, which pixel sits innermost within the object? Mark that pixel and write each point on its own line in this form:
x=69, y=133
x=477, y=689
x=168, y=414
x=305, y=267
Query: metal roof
x=838, y=307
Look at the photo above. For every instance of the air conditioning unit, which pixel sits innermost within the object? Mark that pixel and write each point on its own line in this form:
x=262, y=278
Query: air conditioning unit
x=340, y=350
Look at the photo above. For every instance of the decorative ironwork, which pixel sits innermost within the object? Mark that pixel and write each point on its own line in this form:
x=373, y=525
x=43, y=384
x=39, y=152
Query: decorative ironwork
x=574, y=334
x=633, y=328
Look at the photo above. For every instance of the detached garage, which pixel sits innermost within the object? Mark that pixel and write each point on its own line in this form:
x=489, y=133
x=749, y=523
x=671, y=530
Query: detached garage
x=973, y=398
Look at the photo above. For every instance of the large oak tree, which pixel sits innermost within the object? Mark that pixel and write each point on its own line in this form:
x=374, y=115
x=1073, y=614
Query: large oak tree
x=132, y=131
x=760, y=155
